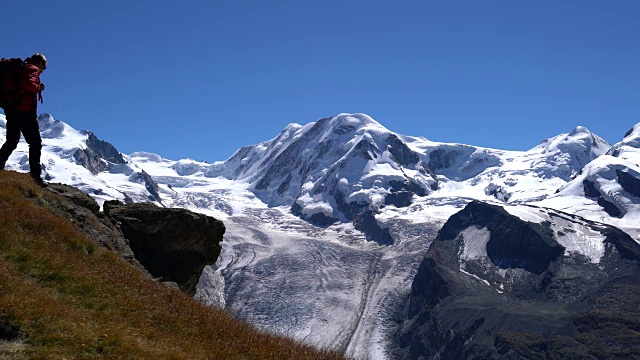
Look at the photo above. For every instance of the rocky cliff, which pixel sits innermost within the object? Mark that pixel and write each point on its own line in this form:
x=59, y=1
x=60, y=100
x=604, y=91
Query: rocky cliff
x=495, y=286
x=171, y=245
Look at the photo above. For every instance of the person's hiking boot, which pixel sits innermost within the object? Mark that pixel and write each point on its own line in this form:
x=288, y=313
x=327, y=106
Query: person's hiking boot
x=38, y=180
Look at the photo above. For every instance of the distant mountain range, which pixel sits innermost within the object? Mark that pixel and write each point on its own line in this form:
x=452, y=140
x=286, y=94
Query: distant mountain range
x=343, y=233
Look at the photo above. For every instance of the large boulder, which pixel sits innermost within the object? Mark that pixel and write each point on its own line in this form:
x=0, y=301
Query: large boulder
x=172, y=244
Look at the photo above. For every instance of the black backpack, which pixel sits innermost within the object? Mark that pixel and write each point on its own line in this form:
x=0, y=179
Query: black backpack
x=9, y=72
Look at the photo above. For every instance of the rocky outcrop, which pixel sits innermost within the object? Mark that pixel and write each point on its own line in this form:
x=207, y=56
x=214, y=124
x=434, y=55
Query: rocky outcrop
x=549, y=304
x=514, y=243
x=460, y=162
x=591, y=191
x=149, y=183
x=97, y=155
x=173, y=244
x=401, y=152
x=629, y=183
x=367, y=223
x=85, y=214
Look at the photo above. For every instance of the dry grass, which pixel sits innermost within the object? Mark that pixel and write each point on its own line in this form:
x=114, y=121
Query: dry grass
x=72, y=299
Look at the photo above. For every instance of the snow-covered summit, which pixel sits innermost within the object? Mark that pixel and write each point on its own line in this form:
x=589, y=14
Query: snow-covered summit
x=331, y=169
x=565, y=155
x=629, y=147
x=610, y=183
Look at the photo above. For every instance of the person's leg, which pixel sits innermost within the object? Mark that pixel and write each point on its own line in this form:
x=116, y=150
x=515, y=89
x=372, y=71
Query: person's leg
x=13, y=137
x=31, y=133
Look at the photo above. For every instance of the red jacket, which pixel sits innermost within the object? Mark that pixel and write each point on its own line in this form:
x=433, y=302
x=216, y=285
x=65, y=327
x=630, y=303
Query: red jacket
x=28, y=87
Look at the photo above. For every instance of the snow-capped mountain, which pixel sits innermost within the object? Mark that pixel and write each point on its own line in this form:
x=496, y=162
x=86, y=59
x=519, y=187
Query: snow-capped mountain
x=331, y=170
x=80, y=159
x=328, y=223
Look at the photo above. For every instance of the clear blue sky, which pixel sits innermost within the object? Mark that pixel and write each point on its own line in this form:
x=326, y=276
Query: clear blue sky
x=200, y=79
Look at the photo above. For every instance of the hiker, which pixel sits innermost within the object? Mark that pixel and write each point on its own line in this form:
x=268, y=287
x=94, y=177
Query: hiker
x=22, y=114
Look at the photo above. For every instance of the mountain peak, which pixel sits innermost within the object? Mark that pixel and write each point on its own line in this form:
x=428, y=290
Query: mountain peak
x=333, y=168
x=580, y=136
x=359, y=122
x=357, y=118
x=566, y=154
x=580, y=130
x=632, y=137
x=629, y=147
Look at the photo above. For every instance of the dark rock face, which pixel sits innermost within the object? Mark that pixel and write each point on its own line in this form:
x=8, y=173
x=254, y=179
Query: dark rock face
x=149, y=183
x=629, y=132
x=590, y=190
x=321, y=219
x=366, y=150
x=514, y=243
x=629, y=183
x=401, y=192
x=399, y=186
x=104, y=149
x=350, y=210
x=609, y=207
x=367, y=223
x=400, y=198
x=401, y=152
x=174, y=244
x=171, y=244
x=442, y=159
x=428, y=292
x=84, y=212
x=460, y=162
x=316, y=219
x=551, y=306
x=98, y=154
x=522, y=245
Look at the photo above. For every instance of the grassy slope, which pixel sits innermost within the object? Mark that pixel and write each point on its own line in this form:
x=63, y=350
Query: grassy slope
x=72, y=299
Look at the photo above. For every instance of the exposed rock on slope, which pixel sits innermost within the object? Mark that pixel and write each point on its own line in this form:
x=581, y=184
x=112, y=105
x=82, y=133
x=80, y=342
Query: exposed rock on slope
x=175, y=244
x=611, y=182
x=149, y=183
x=493, y=286
x=85, y=213
x=98, y=155
x=513, y=243
x=367, y=223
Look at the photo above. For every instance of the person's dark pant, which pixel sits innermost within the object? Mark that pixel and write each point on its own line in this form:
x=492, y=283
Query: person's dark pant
x=26, y=123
